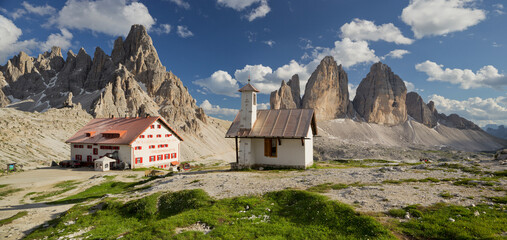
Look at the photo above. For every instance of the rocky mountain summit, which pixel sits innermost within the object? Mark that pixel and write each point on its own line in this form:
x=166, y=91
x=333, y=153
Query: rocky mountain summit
x=381, y=98
x=288, y=96
x=130, y=82
x=327, y=91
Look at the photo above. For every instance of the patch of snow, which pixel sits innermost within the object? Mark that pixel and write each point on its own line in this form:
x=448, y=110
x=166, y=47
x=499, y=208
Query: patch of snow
x=13, y=100
x=143, y=86
x=82, y=90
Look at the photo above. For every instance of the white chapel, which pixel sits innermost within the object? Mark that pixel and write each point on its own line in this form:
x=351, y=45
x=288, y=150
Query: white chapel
x=279, y=138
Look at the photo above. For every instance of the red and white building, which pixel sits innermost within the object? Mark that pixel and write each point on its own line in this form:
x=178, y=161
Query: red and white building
x=138, y=141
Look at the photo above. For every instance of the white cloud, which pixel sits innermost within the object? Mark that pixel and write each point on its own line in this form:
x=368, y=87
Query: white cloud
x=262, y=106
x=352, y=91
x=410, y=86
x=499, y=8
x=9, y=44
x=260, y=11
x=487, y=76
x=162, y=29
x=184, y=32
x=39, y=10
x=480, y=111
x=397, y=53
x=181, y=3
x=260, y=76
x=347, y=52
x=439, y=17
x=239, y=5
x=215, y=110
x=270, y=43
x=360, y=29
x=220, y=82
x=62, y=40
x=112, y=17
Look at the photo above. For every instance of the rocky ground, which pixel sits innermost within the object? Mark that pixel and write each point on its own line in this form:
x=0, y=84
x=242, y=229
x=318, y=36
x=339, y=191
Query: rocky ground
x=370, y=185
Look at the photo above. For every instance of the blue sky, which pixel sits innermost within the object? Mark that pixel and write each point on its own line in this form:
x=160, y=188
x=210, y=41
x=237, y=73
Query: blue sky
x=450, y=51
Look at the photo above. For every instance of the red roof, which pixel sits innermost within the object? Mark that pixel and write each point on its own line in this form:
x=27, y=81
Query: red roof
x=128, y=129
x=280, y=123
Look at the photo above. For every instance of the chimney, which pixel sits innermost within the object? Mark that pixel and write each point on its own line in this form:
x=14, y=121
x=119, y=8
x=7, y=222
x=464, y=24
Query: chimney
x=248, y=111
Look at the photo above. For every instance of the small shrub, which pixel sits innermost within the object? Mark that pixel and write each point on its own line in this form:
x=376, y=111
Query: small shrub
x=177, y=202
x=396, y=212
x=446, y=195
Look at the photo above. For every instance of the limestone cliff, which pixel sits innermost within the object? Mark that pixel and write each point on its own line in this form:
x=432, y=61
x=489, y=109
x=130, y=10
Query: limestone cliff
x=417, y=109
x=282, y=98
x=327, y=91
x=380, y=97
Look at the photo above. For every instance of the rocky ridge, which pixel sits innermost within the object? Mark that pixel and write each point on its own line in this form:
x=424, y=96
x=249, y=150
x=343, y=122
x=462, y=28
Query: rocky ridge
x=381, y=98
x=130, y=82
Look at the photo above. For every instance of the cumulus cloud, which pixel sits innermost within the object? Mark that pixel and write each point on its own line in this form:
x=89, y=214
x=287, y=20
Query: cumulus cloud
x=112, y=17
x=360, y=29
x=162, y=29
x=487, y=76
x=220, y=82
x=181, y=3
x=242, y=5
x=480, y=111
x=10, y=44
x=184, y=32
x=352, y=91
x=217, y=111
x=397, y=53
x=440, y=17
x=498, y=8
x=62, y=40
x=410, y=86
x=347, y=52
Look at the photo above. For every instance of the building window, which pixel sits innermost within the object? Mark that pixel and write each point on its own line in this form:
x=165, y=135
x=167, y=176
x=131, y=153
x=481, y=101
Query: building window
x=254, y=99
x=159, y=157
x=167, y=156
x=152, y=126
x=89, y=158
x=270, y=147
x=168, y=135
x=159, y=126
x=173, y=155
x=79, y=157
x=89, y=146
x=142, y=136
x=139, y=160
x=159, y=135
x=95, y=151
x=138, y=148
x=150, y=136
x=152, y=146
x=152, y=158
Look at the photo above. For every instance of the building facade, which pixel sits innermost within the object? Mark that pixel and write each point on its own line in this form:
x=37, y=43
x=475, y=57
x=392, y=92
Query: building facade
x=280, y=138
x=138, y=142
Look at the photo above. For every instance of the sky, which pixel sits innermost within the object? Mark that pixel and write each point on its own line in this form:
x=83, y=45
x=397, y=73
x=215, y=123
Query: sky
x=452, y=52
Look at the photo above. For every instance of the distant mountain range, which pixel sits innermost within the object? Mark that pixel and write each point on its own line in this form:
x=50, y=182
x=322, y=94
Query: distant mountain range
x=496, y=130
